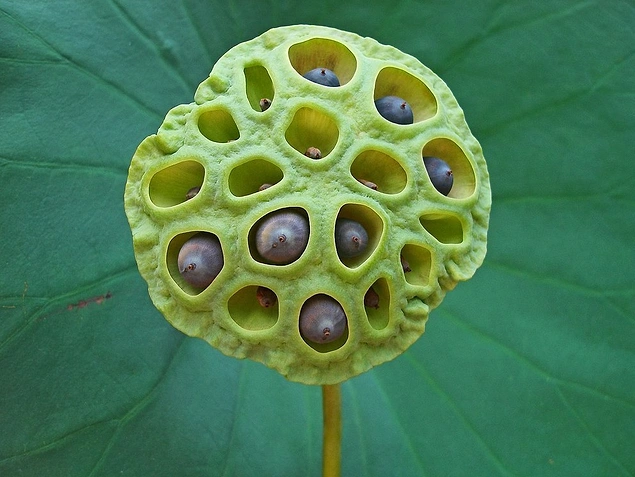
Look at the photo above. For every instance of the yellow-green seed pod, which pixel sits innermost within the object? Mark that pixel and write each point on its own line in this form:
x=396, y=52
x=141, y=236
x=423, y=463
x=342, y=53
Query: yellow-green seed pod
x=227, y=146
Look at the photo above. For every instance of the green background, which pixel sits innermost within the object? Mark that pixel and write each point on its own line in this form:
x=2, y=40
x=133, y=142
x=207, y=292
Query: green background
x=527, y=369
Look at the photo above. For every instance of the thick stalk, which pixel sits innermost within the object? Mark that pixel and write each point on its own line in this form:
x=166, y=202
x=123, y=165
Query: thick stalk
x=332, y=437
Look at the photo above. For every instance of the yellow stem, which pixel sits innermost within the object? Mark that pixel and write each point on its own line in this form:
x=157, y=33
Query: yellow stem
x=332, y=438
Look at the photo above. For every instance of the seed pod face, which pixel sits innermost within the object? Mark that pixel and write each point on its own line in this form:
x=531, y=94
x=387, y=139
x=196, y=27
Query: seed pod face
x=282, y=236
x=322, y=76
x=442, y=238
x=351, y=238
x=200, y=260
x=440, y=174
x=322, y=319
x=395, y=109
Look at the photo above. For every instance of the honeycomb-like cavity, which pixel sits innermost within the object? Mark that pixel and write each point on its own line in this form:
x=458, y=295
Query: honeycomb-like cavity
x=260, y=138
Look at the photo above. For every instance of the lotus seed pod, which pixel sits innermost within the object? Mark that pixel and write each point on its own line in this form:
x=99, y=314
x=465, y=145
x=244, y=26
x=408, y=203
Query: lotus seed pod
x=351, y=238
x=200, y=259
x=322, y=320
x=281, y=237
x=420, y=243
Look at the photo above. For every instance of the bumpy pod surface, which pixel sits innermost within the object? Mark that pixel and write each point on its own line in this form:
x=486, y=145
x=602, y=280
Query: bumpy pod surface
x=249, y=161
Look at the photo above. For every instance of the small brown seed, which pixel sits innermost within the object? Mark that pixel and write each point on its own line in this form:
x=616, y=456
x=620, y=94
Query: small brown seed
x=264, y=104
x=264, y=186
x=313, y=153
x=192, y=192
x=266, y=297
x=368, y=184
x=405, y=265
x=371, y=299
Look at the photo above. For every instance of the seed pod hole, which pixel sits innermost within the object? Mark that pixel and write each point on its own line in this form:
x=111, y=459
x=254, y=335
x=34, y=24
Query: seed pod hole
x=377, y=304
x=217, y=125
x=194, y=260
x=280, y=237
x=248, y=178
x=381, y=170
x=464, y=180
x=392, y=81
x=419, y=260
x=323, y=323
x=352, y=253
x=312, y=129
x=445, y=228
x=246, y=310
x=170, y=186
x=258, y=87
x=323, y=54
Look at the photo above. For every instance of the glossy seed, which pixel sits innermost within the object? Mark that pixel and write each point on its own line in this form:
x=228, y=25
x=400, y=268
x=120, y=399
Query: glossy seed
x=371, y=299
x=266, y=297
x=264, y=104
x=322, y=319
x=192, y=192
x=322, y=76
x=369, y=184
x=395, y=109
x=405, y=265
x=282, y=236
x=200, y=259
x=264, y=187
x=313, y=153
x=440, y=174
x=351, y=238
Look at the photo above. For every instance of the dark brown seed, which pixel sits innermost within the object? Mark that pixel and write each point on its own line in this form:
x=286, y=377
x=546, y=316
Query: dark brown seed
x=266, y=297
x=405, y=265
x=192, y=192
x=369, y=184
x=313, y=153
x=371, y=299
x=264, y=104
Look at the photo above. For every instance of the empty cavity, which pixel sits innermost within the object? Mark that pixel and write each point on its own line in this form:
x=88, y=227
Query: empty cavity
x=250, y=177
x=379, y=171
x=323, y=53
x=446, y=229
x=416, y=262
x=170, y=186
x=258, y=86
x=393, y=81
x=462, y=171
x=312, y=129
x=247, y=311
x=373, y=225
x=218, y=125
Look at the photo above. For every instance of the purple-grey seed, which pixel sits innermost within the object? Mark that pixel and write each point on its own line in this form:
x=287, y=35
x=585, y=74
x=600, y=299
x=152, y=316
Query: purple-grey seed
x=200, y=259
x=322, y=319
x=282, y=236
